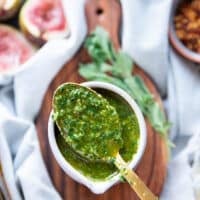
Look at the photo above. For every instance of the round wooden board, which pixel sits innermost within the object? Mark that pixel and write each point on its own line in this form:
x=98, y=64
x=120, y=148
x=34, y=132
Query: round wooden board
x=153, y=166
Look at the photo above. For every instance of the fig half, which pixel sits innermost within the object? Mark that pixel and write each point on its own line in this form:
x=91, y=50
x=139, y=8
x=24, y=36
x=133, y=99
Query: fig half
x=8, y=8
x=14, y=48
x=43, y=20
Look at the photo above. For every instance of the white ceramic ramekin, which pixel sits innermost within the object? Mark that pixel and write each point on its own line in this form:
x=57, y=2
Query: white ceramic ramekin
x=99, y=187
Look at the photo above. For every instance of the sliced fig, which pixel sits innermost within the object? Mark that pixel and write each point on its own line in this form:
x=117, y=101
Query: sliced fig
x=43, y=20
x=14, y=48
x=8, y=8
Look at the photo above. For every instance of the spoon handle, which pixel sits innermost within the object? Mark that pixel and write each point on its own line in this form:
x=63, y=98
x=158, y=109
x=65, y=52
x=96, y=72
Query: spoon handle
x=143, y=192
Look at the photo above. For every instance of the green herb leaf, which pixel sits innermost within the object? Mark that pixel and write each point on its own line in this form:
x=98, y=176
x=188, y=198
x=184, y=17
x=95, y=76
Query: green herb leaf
x=139, y=91
x=123, y=65
x=148, y=104
x=99, y=46
x=76, y=104
x=120, y=67
x=91, y=72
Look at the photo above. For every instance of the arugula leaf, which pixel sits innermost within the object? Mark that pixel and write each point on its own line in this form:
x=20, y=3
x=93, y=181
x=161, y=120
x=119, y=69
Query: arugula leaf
x=157, y=119
x=99, y=46
x=123, y=65
x=116, y=67
x=139, y=91
x=92, y=73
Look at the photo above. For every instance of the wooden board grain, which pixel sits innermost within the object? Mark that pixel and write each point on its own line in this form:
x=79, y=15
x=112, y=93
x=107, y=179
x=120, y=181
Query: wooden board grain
x=153, y=166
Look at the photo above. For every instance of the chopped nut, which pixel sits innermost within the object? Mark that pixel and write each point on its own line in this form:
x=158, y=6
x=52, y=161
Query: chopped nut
x=198, y=21
x=178, y=25
x=178, y=18
x=184, y=21
x=180, y=34
x=187, y=24
x=195, y=5
x=189, y=13
x=192, y=26
x=191, y=36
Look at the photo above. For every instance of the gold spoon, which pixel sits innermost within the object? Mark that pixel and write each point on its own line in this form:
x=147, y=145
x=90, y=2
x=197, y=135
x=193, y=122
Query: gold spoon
x=75, y=109
x=134, y=180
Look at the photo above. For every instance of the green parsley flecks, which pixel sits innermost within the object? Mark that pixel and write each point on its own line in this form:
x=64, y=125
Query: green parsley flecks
x=87, y=122
x=130, y=136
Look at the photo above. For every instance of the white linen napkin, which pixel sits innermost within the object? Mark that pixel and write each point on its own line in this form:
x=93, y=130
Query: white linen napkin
x=20, y=100
x=145, y=38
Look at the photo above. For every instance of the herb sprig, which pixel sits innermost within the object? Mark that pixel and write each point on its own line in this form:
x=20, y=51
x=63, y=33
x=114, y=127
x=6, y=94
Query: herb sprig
x=116, y=67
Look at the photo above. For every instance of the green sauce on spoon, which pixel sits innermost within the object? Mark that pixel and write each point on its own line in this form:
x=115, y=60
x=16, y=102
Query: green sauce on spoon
x=87, y=122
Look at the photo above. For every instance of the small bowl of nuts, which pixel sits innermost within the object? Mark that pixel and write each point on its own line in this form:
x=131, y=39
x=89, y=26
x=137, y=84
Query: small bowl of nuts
x=184, y=30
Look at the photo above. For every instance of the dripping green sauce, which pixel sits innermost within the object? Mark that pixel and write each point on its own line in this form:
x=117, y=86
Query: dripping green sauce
x=130, y=135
